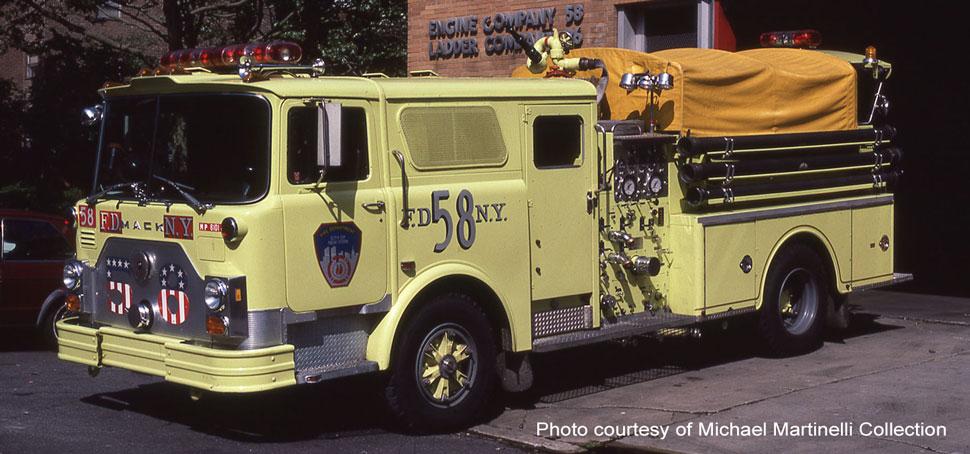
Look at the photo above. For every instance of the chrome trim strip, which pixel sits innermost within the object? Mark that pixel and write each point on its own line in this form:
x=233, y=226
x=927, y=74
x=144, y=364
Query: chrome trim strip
x=265, y=329
x=727, y=313
x=630, y=325
x=897, y=278
x=361, y=367
x=732, y=218
x=382, y=306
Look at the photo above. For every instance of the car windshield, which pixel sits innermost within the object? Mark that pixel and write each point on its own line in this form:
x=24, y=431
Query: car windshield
x=213, y=147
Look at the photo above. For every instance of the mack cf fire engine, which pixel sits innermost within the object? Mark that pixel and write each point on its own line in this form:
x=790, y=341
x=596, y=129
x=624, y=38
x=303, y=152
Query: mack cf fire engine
x=256, y=224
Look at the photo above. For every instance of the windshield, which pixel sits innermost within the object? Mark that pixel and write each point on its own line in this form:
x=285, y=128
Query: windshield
x=214, y=147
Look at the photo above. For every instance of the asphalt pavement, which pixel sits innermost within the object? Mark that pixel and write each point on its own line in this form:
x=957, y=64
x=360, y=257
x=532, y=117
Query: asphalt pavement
x=895, y=381
x=49, y=405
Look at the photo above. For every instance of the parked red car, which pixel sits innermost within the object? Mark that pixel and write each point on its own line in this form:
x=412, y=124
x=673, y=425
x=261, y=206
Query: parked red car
x=34, y=247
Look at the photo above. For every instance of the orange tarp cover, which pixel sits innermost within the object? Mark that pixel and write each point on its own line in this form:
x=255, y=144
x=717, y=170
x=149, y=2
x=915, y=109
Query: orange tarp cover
x=759, y=91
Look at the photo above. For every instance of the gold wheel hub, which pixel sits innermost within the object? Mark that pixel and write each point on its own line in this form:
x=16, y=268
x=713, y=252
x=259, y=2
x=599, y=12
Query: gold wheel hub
x=445, y=366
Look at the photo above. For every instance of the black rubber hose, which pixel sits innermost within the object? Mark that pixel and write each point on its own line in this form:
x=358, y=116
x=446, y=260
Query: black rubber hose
x=696, y=196
x=691, y=173
x=586, y=64
x=691, y=146
x=530, y=51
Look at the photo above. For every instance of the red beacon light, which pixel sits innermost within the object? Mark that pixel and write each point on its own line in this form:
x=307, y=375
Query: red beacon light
x=795, y=38
x=273, y=53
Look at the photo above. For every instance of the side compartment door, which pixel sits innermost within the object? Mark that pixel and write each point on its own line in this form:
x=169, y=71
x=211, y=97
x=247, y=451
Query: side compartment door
x=559, y=157
x=336, y=233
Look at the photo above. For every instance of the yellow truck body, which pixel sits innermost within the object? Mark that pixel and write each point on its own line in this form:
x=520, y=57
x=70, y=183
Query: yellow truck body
x=506, y=202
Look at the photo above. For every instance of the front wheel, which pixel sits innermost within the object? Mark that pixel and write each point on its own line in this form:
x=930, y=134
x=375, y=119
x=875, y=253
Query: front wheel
x=444, y=367
x=795, y=300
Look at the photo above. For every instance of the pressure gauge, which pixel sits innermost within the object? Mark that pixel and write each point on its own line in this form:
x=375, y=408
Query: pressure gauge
x=656, y=185
x=629, y=187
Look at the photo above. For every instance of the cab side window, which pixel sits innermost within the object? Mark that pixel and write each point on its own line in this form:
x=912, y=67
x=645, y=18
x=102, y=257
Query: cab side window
x=301, y=162
x=557, y=141
x=25, y=239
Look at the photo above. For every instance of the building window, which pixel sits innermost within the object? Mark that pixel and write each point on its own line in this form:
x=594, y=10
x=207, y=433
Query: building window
x=657, y=26
x=33, y=62
x=109, y=11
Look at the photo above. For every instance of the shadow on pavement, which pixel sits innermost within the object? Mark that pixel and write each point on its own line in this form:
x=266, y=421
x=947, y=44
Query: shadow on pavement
x=587, y=370
x=339, y=409
x=354, y=406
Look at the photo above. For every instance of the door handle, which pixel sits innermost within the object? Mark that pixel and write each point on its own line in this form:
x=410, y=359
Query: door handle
x=378, y=205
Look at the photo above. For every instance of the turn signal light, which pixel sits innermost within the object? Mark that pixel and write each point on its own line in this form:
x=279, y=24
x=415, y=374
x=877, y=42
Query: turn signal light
x=72, y=302
x=216, y=325
x=793, y=38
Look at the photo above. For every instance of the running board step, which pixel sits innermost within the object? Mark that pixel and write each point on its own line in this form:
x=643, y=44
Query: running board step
x=336, y=371
x=630, y=325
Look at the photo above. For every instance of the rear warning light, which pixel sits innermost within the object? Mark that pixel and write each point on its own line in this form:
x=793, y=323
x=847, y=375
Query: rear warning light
x=794, y=38
x=274, y=53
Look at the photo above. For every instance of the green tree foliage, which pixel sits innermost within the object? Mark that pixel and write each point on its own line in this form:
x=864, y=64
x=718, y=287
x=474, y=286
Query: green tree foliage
x=47, y=158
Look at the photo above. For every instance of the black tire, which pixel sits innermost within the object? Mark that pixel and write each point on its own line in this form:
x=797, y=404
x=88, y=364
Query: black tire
x=793, y=314
x=459, y=379
x=56, y=312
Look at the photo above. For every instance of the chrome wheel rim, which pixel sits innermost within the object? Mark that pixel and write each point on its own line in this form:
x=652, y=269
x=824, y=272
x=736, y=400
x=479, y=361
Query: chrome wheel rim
x=446, y=365
x=798, y=300
x=60, y=314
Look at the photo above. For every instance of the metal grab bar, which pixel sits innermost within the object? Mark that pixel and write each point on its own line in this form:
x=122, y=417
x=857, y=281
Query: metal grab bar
x=404, y=188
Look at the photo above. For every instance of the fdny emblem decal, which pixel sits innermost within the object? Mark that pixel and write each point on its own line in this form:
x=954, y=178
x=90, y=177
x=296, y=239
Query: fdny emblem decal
x=173, y=302
x=119, y=292
x=338, y=249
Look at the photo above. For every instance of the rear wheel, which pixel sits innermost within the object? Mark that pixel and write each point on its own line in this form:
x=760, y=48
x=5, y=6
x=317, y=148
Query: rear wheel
x=796, y=296
x=444, y=366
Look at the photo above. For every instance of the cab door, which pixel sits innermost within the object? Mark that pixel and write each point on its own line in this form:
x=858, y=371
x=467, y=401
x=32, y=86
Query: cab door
x=560, y=157
x=335, y=232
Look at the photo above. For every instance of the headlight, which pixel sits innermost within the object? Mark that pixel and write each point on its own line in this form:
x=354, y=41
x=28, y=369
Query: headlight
x=72, y=275
x=216, y=292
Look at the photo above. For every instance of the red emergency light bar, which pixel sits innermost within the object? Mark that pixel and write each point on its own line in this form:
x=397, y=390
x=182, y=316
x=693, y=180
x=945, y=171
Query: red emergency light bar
x=274, y=53
x=794, y=38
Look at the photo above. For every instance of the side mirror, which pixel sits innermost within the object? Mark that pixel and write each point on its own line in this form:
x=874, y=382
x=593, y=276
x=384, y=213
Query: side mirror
x=328, y=134
x=92, y=115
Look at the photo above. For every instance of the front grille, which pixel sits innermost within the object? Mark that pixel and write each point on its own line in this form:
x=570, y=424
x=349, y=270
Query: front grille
x=130, y=272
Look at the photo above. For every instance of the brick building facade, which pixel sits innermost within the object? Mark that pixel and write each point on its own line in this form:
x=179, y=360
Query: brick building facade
x=18, y=68
x=470, y=38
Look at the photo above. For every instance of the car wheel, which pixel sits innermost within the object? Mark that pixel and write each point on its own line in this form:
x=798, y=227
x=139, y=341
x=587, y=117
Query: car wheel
x=49, y=331
x=443, y=370
x=795, y=300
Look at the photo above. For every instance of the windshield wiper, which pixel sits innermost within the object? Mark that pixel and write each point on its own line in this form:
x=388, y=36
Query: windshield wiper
x=135, y=187
x=199, y=206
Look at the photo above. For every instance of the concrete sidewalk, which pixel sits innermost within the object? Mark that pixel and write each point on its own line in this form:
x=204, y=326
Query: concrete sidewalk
x=903, y=366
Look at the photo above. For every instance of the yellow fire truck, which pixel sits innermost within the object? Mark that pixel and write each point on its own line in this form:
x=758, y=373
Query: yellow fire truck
x=256, y=224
